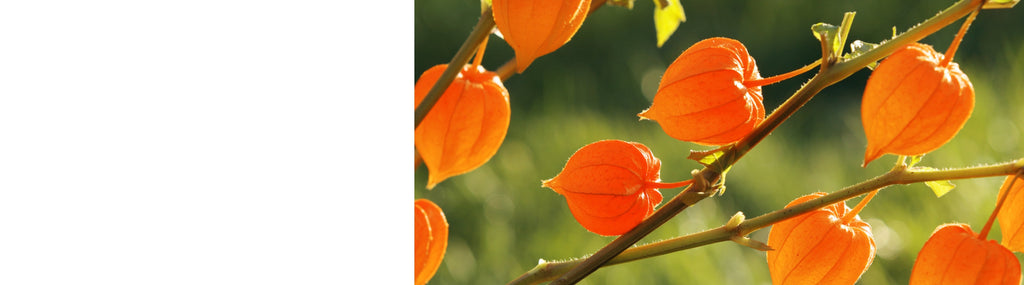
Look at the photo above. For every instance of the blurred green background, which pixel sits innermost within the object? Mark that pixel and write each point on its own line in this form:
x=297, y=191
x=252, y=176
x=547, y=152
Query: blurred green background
x=502, y=221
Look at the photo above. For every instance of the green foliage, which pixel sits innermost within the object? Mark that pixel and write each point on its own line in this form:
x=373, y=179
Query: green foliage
x=999, y=4
x=859, y=47
x=830, y=33
x=940, y=187
x=705, y=158
x=667, y=16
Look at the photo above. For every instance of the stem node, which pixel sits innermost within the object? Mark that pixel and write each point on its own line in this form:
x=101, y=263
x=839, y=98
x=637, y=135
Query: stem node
x=735, y=221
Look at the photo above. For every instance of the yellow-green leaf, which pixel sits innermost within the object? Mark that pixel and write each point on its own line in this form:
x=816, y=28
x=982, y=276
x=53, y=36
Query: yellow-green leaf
x=834, y=36
x=859, y=47
x=940, y=187
x=709, y=159
x=704, y=157
x=830, y=33
x=999, y=4
x=915, y=159
x=667, y=16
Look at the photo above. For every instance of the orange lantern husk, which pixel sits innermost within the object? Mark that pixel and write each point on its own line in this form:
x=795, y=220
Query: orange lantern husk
x=466, y=126
x=610, y=185
x=954, y=254
x=703, y=98
x=1011, y=217
x=537, y=27
x=912, y=104
x=824, y=246
x=431, y=239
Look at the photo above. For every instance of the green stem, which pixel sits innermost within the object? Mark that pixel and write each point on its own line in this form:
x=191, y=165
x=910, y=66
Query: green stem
x=893, y=177
x=680, y=202
x=480, y=32
x=547, y=271
x=831, y=72
x=928, y=27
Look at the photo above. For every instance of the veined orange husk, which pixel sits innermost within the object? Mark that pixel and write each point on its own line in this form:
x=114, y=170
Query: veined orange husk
x=605, y=185
x=818, y=248
x=1011, y=215
x=911, y=105
x=466, y=126
x=537, y=27
x=431, y=239
x=702, y=97
x=955, y=255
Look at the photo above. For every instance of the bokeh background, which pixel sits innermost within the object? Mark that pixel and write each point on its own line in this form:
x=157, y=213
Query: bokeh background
x=502, y=221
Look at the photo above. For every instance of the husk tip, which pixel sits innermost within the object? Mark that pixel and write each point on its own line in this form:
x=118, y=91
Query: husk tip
x=522, y=62
x=870, y=155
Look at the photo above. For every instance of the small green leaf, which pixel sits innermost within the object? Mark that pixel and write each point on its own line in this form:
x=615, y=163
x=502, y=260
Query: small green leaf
x=708, y=160
x=999, y=4
x=831, y=34
x=667, y=16
x=914, y=160
x=709, y=157
x=940, y=187
x=858, y=48
x=622, y=3
x=704, y=157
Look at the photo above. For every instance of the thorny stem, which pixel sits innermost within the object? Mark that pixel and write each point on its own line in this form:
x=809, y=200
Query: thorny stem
x=928, y=27
x=546, y=271
x=893, y=177
x=1003, y=193
x=832, y=71
x=959, y=36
